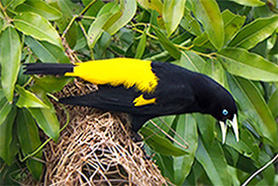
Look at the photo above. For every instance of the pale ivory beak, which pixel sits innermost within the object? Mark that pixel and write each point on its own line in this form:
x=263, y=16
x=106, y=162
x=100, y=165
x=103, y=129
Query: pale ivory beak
x=224, y=128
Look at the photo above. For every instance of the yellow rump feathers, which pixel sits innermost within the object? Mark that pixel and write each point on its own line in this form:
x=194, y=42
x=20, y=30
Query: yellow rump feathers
x=118, y=71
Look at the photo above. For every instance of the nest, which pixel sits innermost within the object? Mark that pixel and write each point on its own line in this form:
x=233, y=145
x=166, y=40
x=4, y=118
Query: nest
x=96, y=149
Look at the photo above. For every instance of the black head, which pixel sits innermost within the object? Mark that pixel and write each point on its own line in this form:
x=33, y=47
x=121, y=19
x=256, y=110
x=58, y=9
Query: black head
x=215, y=100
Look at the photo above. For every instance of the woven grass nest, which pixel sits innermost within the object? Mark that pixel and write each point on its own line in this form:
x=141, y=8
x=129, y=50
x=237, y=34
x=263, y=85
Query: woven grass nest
x=96, y=149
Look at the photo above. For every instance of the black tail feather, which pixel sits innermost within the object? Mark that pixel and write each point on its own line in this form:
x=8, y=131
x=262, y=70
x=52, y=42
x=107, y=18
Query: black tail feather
x=47, y=68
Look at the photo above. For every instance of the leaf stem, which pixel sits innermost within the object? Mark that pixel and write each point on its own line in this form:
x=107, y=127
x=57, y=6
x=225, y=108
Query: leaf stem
x=5, y=13
x=77, y=16
x=176, y=45
x=87, y=8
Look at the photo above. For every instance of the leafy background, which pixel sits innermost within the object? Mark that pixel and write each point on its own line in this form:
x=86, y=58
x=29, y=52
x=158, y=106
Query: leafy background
x=233, y=41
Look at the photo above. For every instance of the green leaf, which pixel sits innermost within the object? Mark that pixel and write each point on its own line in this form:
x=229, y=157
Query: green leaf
x=57, y=84
x=215, y=70
x=69, y=9
x=272, y=103
x=5, y=107
x=160, y=144
x=96, y=29
x=212, y=159
x=242, y=63
x=153, y=5
x=253, y=105
x=3, y=22
x=47, y=120
x=29, y=139
x=94, y=9
x=12, y=4
x=208, y=13
x=38, y=27
x=167, y=44
x=252, y=3
x=190, y=24
x=141, y=46
x=206, y=126
x=187, y=130
x=127, y=11
x=40, y=7
x=255, y=32
x=172, y=14
x=232, y=23
x=109, y=8
x=47, y=52
x=6, y=137
x=246, y=146
x=10, y=54
x=192, y=61
x=28, y=99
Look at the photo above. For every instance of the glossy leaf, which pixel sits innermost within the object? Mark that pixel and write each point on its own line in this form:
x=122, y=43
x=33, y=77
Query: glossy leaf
x=192, y=61
x=69, y=9
x=255, y=32
x=128, y=10
x=57, y=84
x=246, y=146
x=40, y=7
x=29, y=139
x=160, y=144
x=252, y=3
x=206, y=125
x=212, y=159
x=28, y=99
x=187, y=130
x=167, y=44
x=96, y=29
x=3, y=22
x=12, y=4
x=6, y=136
x=47, y=120
x=94, y=9
x=38, y=27
x=5, y=107
x=141, y=46
x=273, y=103
x=153, y=4
x=208, y=13
x=214, y=69
x=172, y=14
x=10, y=54
x=253, y=105
x=47, y=52
x=232, y=23
x=190, y=24
x=242, y=63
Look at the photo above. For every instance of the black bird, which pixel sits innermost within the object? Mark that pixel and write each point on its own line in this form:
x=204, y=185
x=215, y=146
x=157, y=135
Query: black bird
x=146, y=89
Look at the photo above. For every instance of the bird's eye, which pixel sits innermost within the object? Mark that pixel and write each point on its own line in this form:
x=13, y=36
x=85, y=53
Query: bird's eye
x=225, y=112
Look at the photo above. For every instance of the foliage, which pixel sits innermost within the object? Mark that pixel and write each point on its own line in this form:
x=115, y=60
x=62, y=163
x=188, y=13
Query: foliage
x=235, y=42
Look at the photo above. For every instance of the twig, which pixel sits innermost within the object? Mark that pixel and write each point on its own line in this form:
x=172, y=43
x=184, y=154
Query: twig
x=181, y=145
x=260, y=170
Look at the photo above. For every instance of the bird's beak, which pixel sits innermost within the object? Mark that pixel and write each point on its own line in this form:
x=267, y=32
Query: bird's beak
x=224, y=128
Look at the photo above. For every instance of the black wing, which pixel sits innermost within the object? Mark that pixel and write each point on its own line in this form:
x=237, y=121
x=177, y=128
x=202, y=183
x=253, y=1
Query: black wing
x=168, y=101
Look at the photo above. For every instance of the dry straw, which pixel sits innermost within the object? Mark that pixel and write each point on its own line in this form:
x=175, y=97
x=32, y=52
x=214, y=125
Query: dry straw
x=96, y=149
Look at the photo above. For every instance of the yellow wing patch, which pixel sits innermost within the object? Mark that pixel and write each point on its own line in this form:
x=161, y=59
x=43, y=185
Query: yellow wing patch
x=140, y=101
x=118, y=71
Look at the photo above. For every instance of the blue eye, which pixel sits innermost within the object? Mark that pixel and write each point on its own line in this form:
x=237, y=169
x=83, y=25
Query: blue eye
x=225, y=112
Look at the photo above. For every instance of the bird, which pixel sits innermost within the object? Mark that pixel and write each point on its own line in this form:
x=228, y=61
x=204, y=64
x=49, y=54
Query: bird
x=146, y=89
